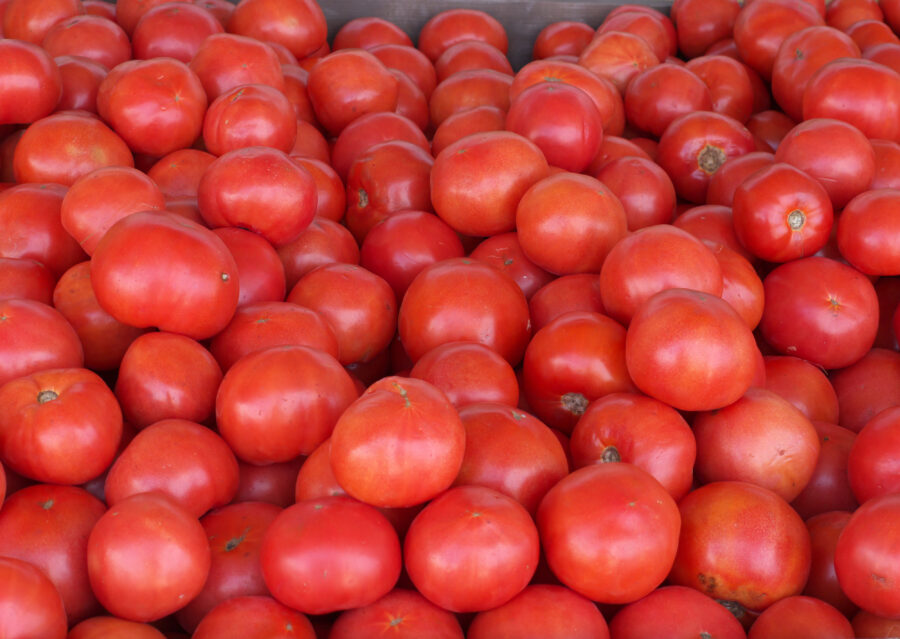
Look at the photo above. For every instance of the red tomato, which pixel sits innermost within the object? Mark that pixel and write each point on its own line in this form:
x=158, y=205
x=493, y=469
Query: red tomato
x=862, y=559
x=408, y=421
x=676, y=612
x=96, y=38
x=732, y=174
x=824, y=531
x=468, y=373
x=471, y=549
x=129, y=12
x=872, y=463
x=580, y=292
x=238, y=189
x=865, y=624
x=299, y=25
x=30, y=82
x=468, y=55
x=194, y=292
x=618, y=57
x=147, y=556
x=820, y=310
x=867, y=387
x=551, y=612
x=262, y=325
x=706, y=364
x=35, y=337
x=643, y=188
x=562, y=38
x=178, y=173
x=48, y=526
x=456, y=25
x=658, y=95
x=887, y=165
x=867, y=230
x=272, y=484
x=614, y=550
x=561, y=120
x=29, y=21
x=469, y=89
x=25, y=279
x=332, y=201
x=329, y=554
x=323, y=242
x=804, y=385
x=227, y=60
x=741, y=543
x=113, y=628
x=631, y=428
x=840, y=14
x=649, y=25
x=703, y=23
x=694, y=146
x=101, y=198
x=829, y=487
x=235, y=536
x=33, y=606
x=259, y=425
x=741, y=286
x=362, y=134
x=59, y=426
x=173, y=31
x=404, y=614
x=249, y=115
x=730, y=86
x=504, y=252
x=476, y=120
x=801, y=616
x=410, y=61
x=260, y=271
x=81, y=80
x=368, y=33
x=243, y=617
x=712, y=224
x=868, y=34
x=65, y=146
x=762, y=27
x=769, y=128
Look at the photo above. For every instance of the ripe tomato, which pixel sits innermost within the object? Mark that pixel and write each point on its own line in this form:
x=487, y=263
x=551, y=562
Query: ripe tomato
x=113, y=628
x=227, y=60
x=471, y=549
x=677, y=612
x=260, y=271
x=804, y=385
x=173, y=31
x=147, y=556
x=658, y=95
x=368, y=33
x=741, y=543
x=250, y=616
x=35, y=337
x=612, y=550
x=81, y=80
x=249, y=115
x=328, y=554
x=25, y=279
x=824, y=531
x=565, y=37
x=730, y=86
x=867, y=387
x=651, y=26
x=410, y=61
x=798, y=615
x=703, y=23
x=618, y=56
x=33, y=606
x=456, y=25
x=468, y=89
x=871, y=465
x=24, y=20
x=323, y=242
x=59, y=426
x=643, y=188
x=405, y=614
x=30, y=82
x=866, y=231
x=299, y=25
x=732, y=174
x=580, y=292
x=761, y=28
x=468, y=55
x=468, y=373
x=93, y=37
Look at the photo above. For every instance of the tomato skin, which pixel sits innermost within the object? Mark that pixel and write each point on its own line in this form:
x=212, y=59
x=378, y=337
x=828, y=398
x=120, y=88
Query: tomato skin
x=804, y=385
x=618, y=56
x=48, y=526
x=743, y=543
x=824, y=531
x=468, y=373
x=227, y=60
x=695, y=145
x=867, y=230
x=492, y=541
x=730, y=86
x=405, y=614
x=648, y=24
x=59, y=426
x=113, y=628
x=862, y=557
x=249, y=115
x=658, y=95
x=323, y=242
x=23, y=20
x=801, y=616
x=299, y=25
x=456, y=25
x=711, y=355
x=368, y=33
x=134, y=287
x=644, y=189
x=820, y=310
x=260, y=271
x=25, y=279
x=872, y=463
x=329, y=554
x=152, y=549
x=565, y=37
x=865, y=624
x=570, y=513
x=867, y=387
x=677, y=612
x=468, y=55
x=173, y=31
x=235, y=536
x=358, y=137
x=732, y=174
x=98, y=39
x=580, y=292
x=760, y=29
x=254, y=616
x=468, y=89
x=258, y=425
x=769, y=128
x=31, y=83
x=33, y=607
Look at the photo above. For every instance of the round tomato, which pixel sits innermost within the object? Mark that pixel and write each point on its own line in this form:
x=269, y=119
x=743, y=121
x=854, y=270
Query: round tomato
x=468, y=373
x=249, y=115
x=401, y=614
x=30, y=82
x=242, y=617
x=299, y=25
x=33, y=606
x=173, y=31
x=677, y=612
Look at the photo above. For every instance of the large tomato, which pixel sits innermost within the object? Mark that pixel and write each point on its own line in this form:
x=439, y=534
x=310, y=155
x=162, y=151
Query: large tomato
x=32, y=605
x=299, y=25
x=30, y=82
x=867, y=232
x=173, y=31
x=249, y=115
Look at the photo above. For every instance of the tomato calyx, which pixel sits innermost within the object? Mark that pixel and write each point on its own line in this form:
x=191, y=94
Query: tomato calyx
x=796, y=219
x=575, y=403
x=610, y=454
x=711, y=158
x=46, y=396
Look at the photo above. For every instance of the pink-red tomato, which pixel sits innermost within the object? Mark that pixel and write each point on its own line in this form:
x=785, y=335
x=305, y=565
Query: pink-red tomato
x=867, y=387
x=173, y=30
x=456, y=25
x=804, y=385
x=113, y=628
x=249, y=115
x=227, y=60
x=644, y=189
x=580, y=292
x=299, y=25
x=801, y=616
x=468, y=373
x=867, y=230
x=872, y=464
x=33, y=606
x=677, y=612
x=25, y=279
x=829, y=487
x=30, y=82
x=368, y=33
x=260, y=271
x=824, y=531
x=658, y=95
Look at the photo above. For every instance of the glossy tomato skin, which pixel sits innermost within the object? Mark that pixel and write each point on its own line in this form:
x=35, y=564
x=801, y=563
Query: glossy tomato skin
x=330, y=554
x=636, y=517
x=258, y=425
x=866, y=231
x=368, y=130
x=260, y=271
x=178, y=173
x=471, y=294
x=48, y=526
x=824, y=531
x=299, y=25
x=618, y=56
x=677, y=612
x=32, y=82
x=579, y=292
x=644, y=189
x=478, y=528
x=254, y=616
x=804, y=385
x=662, y=346
x=81, y=80
x=323, y=242
x=872, y=463
x=820, y=310
x=332, y=200
x=34, y=607
x=271, y=484
x=829, y=487
x=226, y=60
x=59, y=426
x=367, y=33
x=173, y=32
x=92, y=37
x=235, y=534
x=152, y=549
x=404, y=613
x=743, y=543
x=456, y=25
x=760, y=30
x=249, y=115
x=862, y=557
x=631, y=428
x=133, y=286
x=468, y=373
x=564, y=37
x=797, y=615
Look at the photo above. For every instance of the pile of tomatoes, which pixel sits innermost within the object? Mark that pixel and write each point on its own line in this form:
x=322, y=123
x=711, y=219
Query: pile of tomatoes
x=375, y=338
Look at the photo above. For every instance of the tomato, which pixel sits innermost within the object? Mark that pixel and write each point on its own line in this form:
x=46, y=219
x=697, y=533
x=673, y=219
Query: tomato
x=649, y=25
x=801, y=616
x=332, y=201
x=565, y=37
x=762, y=27
x=840, y=14
x=614, y=550
x=251, y=616
x=272, y=484
x=368, y=33
x=25, y=278
x=803, y=385
x=260, y=271
x=48, y=526
x=323, y=242
x=468, y=373
x=365, y=132
x=820, y=310
x=405, y=614
x=33, y=606
x=81, y=80
x=93, y=37
x=59, y=426
x=129, y=12
x=456, y=25
x=561, y=120
x=471, y=549
x=741, y=543
x=469, y=89
x=694, y=146
x=548, y=611
x=235, y=536
x=470, y=54
x=732, y=174
x=65, y=146
x=859, y=92
x=867, y=387
x=865, y=232
x=252, y=416
x=865, y=624
x=658, y=95
x=299, y=25
x=580, y=292
x=147, y=556
x=178, y=173
x=824, y=531
x=330, y=554
x=769, y=128
x=24, y=20
x=730, y=86
x=237, y=189
x=249, y=115
x=618, y=57
x=227, y=60
x=862, y=557
x=410, y=61
x=677, y=612
x=113, y=628
x=568, y=223
x=199, y=302
x=30, y=82
x=703, y=23
x=173, y=31
x=706, y=364
x=871, y=465
x=35, y=337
